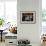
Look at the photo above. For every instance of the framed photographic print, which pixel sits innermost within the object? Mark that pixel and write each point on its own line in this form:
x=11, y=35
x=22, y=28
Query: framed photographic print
x=27, y=17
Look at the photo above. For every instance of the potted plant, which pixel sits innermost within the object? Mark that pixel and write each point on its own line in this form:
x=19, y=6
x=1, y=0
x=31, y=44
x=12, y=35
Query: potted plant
x=1, y=22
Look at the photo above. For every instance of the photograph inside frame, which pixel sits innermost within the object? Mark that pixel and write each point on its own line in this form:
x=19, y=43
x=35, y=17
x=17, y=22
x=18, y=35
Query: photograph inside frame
x=27, y=16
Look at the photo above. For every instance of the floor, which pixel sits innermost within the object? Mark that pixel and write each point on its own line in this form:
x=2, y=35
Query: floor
x=2, y=43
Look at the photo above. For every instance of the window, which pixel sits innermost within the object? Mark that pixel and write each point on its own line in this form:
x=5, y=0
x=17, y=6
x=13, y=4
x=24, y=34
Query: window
x=8, y=11
x=1, y=9
x=44, y=10
x=44, y=16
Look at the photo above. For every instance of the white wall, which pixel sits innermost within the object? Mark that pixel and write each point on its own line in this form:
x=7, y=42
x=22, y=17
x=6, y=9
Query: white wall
x=29, y=31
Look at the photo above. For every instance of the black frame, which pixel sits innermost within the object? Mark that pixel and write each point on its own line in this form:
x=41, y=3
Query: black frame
x=27, y=17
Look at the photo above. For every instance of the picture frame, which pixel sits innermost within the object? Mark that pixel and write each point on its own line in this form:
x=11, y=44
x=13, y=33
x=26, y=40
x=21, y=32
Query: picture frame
x=27, y=17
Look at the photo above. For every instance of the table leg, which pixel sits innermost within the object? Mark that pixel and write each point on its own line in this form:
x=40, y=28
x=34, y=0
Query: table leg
x=1, y=36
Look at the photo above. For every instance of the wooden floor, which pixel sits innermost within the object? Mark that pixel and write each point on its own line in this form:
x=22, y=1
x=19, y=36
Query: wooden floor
x=2, y=43
x=43, y=44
